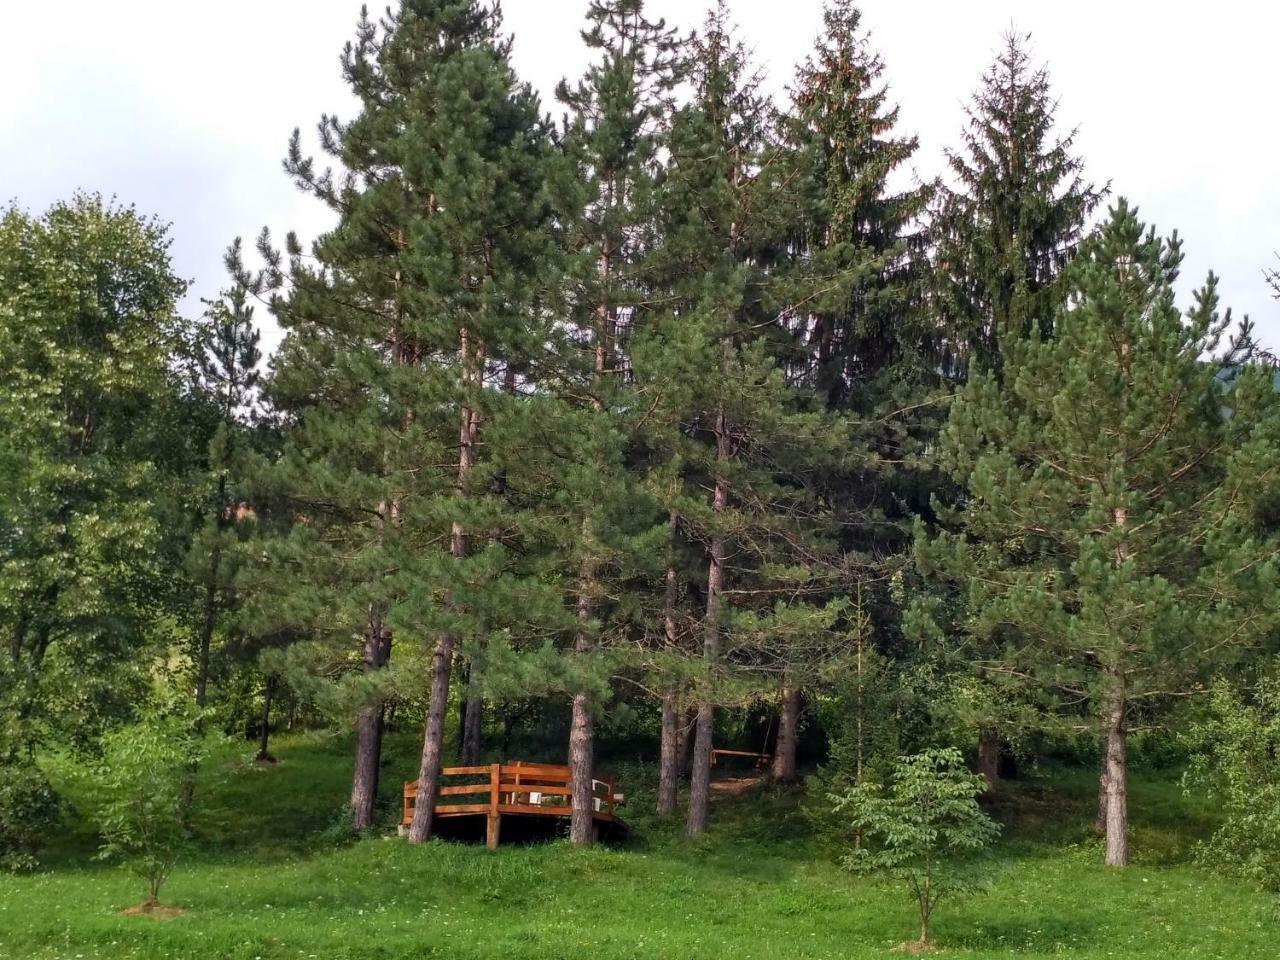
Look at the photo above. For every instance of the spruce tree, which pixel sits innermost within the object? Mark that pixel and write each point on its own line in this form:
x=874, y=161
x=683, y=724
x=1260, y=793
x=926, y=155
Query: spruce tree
x=858, y=236
x=1004, y=228
x=855, y=262
x=227, y=365
x=1013, y=214
x=611, y=141
x=1110, y=460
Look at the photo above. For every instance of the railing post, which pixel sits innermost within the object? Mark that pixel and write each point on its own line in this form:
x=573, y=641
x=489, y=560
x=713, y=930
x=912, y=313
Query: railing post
x=493, y=823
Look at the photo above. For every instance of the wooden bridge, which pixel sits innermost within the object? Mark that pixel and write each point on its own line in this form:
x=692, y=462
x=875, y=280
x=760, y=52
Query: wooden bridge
x=516, y=789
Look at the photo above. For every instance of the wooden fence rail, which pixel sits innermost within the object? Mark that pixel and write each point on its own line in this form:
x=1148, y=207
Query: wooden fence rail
x=525, y=789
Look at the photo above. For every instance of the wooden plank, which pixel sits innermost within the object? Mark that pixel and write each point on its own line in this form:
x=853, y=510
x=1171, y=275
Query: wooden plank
x=534, y=769
x=559, y=790
x=463, y=771
x=462, y=790
x=492, y=830
x=458, y=809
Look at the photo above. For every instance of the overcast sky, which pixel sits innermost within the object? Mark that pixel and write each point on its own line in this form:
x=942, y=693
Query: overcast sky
x=183, y=109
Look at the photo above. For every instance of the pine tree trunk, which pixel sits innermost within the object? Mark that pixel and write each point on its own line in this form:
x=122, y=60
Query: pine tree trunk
x=784, y=754
x=432, y=742
x=989, y=759
x=1117, y=831
x=364, y=781
x=264, y=734
x=465, y=680
x=669, y=755
x=473, y=720
x=688, y=733
x=442, y=659
x=581, y=767
x=1100, y=819
x=700, y=778
x=671, y=749
x=581, y=745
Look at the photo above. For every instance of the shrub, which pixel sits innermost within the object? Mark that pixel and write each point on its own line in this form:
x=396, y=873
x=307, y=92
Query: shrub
x=28, y=812
x=139, y=790
x=922, y=829
x=1237, y=756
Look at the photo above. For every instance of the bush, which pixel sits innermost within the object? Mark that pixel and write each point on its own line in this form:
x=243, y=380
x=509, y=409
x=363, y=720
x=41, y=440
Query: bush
x=923, y=829
x=28, y=812
x=1237, y=756
x=140, y=795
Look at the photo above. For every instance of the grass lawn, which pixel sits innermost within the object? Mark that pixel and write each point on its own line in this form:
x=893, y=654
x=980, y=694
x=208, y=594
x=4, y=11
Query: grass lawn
x=272, y=878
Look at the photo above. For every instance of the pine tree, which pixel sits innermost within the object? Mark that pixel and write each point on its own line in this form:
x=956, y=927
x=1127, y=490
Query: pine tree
x=611, y=141
x=727, y=422
x=1105, y=458
x=1014, y=214
x=419, y=302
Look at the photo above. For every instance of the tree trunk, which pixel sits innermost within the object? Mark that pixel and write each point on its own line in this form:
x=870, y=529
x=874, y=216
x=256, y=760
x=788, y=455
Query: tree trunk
x=582, y=727
x=364, y=781
x=581, y=767
x=471, y=364
x=1117, y=832
x=432, y=742
x=784, y=754
x=685, y=737
x=989, y=759
x=473, y=719
x=465, y=681
x=700, y=779
x=669, y=755
x=1100, y=819
x=264, y=734
x=671, y=750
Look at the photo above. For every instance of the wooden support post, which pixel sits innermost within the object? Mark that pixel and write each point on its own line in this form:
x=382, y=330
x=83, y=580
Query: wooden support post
x=493, y=823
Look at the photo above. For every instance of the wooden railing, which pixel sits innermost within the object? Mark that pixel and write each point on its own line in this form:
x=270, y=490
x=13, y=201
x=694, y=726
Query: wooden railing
x=760, y=759
x=531, y=789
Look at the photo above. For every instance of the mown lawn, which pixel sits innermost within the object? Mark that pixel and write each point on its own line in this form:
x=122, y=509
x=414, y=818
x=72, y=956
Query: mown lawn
x=272, y=878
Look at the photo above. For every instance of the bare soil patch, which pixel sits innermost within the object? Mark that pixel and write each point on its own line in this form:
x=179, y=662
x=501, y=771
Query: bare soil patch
x=157, y=911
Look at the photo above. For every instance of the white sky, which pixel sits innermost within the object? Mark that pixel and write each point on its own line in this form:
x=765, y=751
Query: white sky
x=183, y=109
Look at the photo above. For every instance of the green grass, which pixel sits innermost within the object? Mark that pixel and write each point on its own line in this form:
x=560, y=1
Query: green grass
x=272, y=879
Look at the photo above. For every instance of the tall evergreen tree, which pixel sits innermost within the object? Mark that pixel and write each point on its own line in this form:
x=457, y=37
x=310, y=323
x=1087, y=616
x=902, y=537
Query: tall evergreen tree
x=420, y=298
x=856, y=227
x=1013, y=214
x=611, y=140
x=857, y=264
x=1105, y=457
x=743, y=441
x=1005, y=226
x=227, y=364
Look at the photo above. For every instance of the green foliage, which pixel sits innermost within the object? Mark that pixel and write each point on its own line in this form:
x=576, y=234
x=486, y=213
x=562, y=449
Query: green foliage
x=922, y=828
x=138, y=794
x=28, y=814
x=97, y=431
x=1013, y=215
x=1237, y=758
